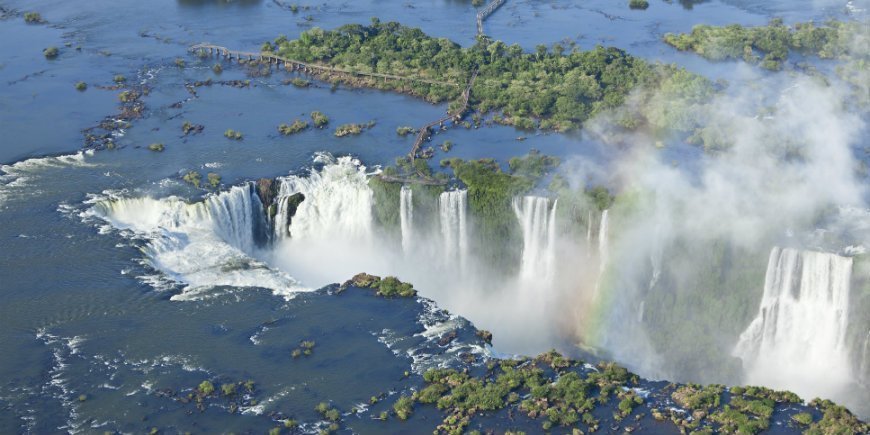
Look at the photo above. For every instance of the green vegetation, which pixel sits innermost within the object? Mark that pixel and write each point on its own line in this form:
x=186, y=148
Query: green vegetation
x=490, y=195
x=404, y=407
x=158, y=147
x=228, y=389
x=296, y=127
x=697, y=397
x=50, y=52
x=193, y=178
x=33, y=18
x=217, y=68
x=349, y=129
x=179, y=62
x=320, y=120
x=563, y=396
x=189, y=127
x=803, y=418
x=328, y=412
x=551, y=88
x=638, y=4
x=128, y=96
x=405, y=130
x=446, y=146
x=835, y=420
x=388, y=287
x=300, y=82
x=533, y=165
x=119, y=79
x=205, y=388
x=232, y=134
x=773, y=41
x=214, y=180
x=81, y=86
x=306, y=347
x=391, y=287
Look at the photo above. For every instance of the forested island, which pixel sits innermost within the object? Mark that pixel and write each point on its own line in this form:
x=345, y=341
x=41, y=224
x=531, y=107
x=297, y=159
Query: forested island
x=552, y=88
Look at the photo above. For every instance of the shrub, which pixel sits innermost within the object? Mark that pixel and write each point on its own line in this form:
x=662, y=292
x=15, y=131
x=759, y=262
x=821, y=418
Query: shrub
x=300, y=82
x=217, y=68
x=391, y=287
x=404, y=407
x=189, y=127
x=205, y=388
x=33, y=18
x=193, y=178
x=81, y=86
x=638, y=4
x=446, y=146
x=332, y=415
x=232, y=134
x=179, y=62
x=128, y=96
x=228, y=389
x=320, y=120
x=348, y=129
x=405, y=130
x=50, y=52
x=158, y=147
x=296, y=127
x=803, y=418
x=214, y=180
x=120, y=78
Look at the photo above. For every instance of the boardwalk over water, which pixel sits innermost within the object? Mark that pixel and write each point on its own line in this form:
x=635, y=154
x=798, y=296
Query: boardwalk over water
x=307, y=67
x=485, y=13
x=312, y=68
x=426, y=130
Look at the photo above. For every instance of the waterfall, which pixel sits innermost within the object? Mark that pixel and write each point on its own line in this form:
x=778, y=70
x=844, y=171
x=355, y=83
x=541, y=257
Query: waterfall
x=406, y=214
x=602, y=250
x=454, y=229
x=337, y=204
x=538, y=223
x=864, y=370
x=202, y=244
x=237, y=216
x=589, y=229
x=799, y=333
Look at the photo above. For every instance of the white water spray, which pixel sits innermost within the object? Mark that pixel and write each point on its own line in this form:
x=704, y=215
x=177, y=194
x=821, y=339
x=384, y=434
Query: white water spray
x=538, y=222
x=204, y=244
x=406, y=215
x=338, y=202
x=454, y=229
x=798, y=339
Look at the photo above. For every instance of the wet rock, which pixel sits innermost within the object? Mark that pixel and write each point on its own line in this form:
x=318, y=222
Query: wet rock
x=447, y=338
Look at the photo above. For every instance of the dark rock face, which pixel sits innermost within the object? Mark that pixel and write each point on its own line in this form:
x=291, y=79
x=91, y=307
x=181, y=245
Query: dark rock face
x=267, y=191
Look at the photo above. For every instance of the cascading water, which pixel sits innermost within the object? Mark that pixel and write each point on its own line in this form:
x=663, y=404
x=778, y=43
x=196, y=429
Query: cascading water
x=406, y=215
x=338, y=201
x=602, y=251
x=864, y=368
x=454, y=228
x=203, y=244
x=538, y=222
x=798, y=338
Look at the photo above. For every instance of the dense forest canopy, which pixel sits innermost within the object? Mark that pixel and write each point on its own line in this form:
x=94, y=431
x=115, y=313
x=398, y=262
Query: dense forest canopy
x=553, y=88
x=770, y=45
